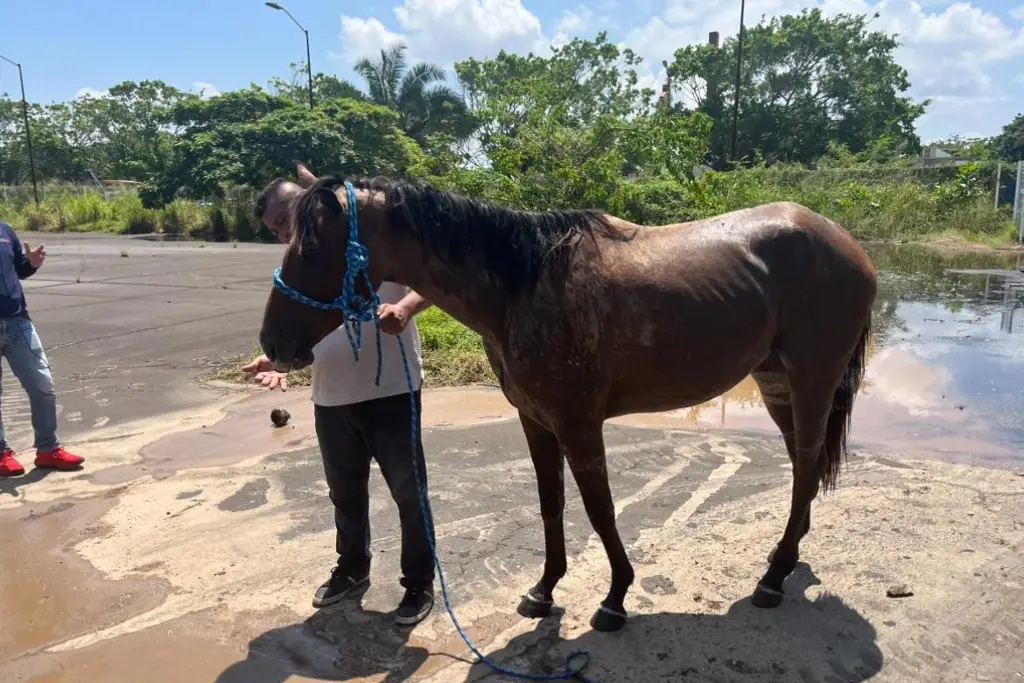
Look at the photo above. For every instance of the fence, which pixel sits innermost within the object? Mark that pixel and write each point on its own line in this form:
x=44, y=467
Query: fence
x=23, y=194
x=1018, y=201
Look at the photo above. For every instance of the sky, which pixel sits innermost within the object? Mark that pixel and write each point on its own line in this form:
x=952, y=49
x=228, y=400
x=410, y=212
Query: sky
x=968, y=57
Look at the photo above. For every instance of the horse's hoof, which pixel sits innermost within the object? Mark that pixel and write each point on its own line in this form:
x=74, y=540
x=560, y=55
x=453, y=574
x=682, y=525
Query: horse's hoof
x=533, y=608
x=607, y=621
x=766, y=598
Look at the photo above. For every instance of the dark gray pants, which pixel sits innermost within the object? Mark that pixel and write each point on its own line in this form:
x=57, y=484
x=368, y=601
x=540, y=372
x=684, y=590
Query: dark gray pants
x=349, y=437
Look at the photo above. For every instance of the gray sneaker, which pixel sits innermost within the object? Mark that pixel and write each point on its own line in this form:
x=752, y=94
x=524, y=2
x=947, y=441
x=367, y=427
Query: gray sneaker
x=415, y=606
x=341, y=584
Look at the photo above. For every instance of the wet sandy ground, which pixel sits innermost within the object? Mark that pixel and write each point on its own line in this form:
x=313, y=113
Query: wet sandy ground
x=191, y=546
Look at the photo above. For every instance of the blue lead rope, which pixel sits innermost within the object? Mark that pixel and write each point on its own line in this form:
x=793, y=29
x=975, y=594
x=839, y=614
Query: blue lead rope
x=357, y=309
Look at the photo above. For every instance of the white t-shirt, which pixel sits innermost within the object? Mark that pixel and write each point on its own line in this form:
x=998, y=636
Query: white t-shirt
x=338, y=379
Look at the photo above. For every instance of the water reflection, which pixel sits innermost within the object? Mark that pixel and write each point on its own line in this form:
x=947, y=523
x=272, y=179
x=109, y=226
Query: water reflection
x=945, y=372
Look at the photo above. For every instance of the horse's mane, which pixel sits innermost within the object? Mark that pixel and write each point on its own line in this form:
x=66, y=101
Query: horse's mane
x=511, y=245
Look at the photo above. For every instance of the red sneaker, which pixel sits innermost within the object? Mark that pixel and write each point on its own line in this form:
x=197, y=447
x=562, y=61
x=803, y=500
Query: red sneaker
x=58, y=459
x=9, y=465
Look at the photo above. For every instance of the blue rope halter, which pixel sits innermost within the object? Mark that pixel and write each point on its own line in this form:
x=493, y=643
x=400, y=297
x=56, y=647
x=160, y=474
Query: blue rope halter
x=358, y=309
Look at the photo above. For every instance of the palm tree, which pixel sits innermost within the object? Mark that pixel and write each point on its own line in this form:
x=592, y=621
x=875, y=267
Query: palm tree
x=419, y=94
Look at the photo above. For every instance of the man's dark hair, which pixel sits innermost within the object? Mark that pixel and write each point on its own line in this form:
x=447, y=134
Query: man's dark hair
x=268, y=192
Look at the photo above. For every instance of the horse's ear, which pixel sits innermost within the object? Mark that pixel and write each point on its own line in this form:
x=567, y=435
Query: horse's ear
x=306, y=177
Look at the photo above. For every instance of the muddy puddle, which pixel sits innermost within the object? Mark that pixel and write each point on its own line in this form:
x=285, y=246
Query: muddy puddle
x=945, y=372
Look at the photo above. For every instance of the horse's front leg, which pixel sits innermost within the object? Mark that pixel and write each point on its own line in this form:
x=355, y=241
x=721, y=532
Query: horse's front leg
x=550, y=466
x=584, y=449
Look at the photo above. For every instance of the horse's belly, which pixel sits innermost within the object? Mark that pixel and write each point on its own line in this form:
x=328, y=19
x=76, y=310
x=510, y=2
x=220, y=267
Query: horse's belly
x=684, y=375
x=663, y=396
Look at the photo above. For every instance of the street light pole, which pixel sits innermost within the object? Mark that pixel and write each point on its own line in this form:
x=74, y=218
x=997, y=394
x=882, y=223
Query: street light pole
x=739, y=70
x=28, y=131
x=309, y=69
x=309, y=66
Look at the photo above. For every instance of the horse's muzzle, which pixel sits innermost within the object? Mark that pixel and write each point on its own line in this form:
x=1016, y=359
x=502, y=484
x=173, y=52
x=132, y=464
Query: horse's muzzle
x=287, y=357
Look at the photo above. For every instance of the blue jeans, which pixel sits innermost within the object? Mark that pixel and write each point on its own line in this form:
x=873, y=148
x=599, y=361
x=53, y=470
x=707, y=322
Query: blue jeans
x=20, y=345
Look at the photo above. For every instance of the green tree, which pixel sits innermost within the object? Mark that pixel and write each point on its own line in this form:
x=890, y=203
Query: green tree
x=63, y=139
x=248, y=137
x=806, y=81
x=579, y=83
x=975, y=148
x=325, y=87
x=14, y=167
x=1009, y=144
x=426, y=104
x=567, y=131
x=130, y=128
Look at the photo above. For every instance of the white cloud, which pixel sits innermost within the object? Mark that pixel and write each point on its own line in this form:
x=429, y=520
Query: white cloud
x=1018, y=12
x=575, y=22
x=89, y=92
x=949, y=50
x=205, y=90
x=444, y=31
x=365, y=37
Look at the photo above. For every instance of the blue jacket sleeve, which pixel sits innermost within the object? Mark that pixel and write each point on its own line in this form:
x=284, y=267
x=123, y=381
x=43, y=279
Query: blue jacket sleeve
x=22, y=267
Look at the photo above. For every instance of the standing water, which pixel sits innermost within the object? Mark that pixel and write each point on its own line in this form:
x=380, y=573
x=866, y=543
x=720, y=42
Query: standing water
x=945, y=369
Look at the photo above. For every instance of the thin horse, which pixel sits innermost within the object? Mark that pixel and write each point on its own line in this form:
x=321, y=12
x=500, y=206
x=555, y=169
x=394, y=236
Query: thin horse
x=585, y=317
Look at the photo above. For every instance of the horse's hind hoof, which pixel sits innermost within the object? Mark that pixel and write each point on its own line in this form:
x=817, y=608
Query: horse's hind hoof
x=534, y=608
x=766, y=598
x=607, y=621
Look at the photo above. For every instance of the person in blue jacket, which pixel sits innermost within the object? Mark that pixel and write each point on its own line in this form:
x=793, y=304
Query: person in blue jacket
x=20, y=345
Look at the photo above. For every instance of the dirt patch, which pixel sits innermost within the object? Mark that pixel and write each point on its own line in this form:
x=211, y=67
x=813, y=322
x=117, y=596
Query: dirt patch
x=48, y=593
x=176, y=652
x=953, y=533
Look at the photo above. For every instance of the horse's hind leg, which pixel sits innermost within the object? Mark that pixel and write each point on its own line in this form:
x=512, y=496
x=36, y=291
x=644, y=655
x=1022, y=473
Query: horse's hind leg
x=774, y=387
x=808, y=417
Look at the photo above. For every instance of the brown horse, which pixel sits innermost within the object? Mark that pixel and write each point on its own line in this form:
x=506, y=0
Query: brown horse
x=585, y=317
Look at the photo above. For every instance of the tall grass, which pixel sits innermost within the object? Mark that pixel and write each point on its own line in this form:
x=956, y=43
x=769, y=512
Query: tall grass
x=876, y=203
x=885, y=208
x=65, y=209
x=886, y=204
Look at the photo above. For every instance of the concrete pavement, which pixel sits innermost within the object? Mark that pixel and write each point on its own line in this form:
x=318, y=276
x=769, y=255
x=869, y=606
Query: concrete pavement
x=128, y=324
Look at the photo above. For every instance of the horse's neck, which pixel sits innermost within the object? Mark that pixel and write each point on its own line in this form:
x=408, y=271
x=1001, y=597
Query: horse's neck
x=469, y=297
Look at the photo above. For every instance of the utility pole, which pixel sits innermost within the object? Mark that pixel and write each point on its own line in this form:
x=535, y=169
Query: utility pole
x=712, y=86
x=28, y=131
x=309, y=69
x=666, y=89
x=739, y=70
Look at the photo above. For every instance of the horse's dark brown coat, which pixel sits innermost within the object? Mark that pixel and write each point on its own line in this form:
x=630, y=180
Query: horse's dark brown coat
x=622, y=319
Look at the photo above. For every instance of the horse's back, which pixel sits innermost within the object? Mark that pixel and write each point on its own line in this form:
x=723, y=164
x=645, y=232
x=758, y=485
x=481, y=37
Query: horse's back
x=717, y=294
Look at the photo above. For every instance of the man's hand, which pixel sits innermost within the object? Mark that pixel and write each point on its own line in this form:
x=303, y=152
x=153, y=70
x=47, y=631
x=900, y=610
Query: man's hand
x=393, y=318
x=35, y=258
x=265, y=374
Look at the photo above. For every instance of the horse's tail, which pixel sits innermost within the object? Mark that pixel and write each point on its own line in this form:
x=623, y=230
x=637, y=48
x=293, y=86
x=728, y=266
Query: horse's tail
x=840, y=417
